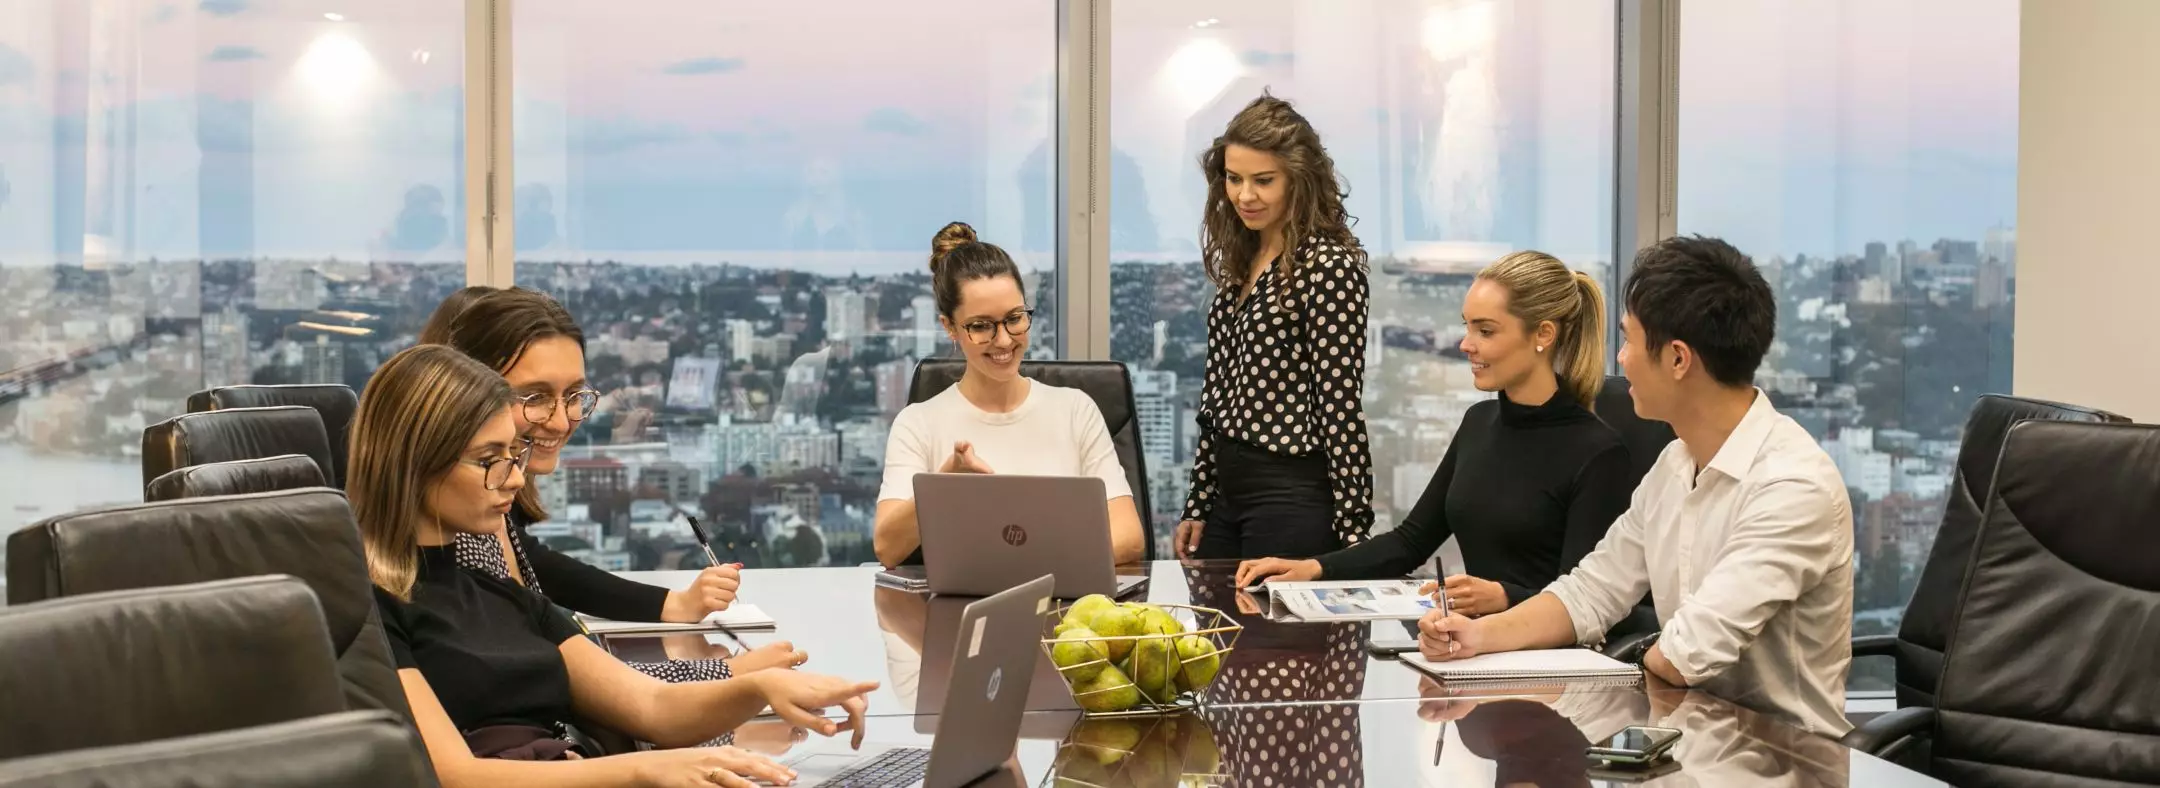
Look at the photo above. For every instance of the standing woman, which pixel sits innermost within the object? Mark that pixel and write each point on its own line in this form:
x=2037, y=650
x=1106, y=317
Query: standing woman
x=1282, y=468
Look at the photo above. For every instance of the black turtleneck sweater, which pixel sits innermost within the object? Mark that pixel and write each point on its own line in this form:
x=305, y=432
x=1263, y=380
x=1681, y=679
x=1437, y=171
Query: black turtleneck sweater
x=1526, y=490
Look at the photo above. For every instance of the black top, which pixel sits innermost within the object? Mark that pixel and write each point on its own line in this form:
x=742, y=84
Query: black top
x=571, y=583
x=1526, y=490
x=487, y=647
x=1286, y=372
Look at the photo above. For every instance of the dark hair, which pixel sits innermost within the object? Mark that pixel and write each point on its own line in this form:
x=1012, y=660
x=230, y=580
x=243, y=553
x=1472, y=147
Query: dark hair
x=956, y=258
x=424, y=404
x=495, y=329
x=1705, y=293
x=1313, y=196
x=437, y=330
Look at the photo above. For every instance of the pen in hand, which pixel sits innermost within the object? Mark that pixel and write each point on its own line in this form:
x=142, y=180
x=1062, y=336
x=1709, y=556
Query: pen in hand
x=705, y=542
x=1440, y=591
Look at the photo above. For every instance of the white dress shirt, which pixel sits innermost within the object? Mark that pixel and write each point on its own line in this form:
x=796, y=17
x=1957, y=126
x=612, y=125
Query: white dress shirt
x=1750, y=566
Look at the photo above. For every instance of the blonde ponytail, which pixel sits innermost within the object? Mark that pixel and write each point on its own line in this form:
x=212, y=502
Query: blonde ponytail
x=1540, y=289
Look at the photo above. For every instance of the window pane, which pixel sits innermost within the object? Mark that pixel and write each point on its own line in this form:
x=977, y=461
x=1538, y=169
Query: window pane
x=739, y=214
x=1865, y=153
x=203, y=194
x=1465, y=130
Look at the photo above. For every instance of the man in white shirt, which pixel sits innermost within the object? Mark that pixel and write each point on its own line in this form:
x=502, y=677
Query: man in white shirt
x=1741, y=533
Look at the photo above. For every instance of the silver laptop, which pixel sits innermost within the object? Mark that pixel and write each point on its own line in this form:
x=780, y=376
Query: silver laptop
x=993, y=664
x=984, y=533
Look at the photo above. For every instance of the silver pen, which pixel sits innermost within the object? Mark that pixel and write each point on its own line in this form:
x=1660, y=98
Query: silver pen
x=711, y=560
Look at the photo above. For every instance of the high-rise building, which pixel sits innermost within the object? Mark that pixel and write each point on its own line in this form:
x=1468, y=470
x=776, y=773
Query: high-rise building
x=742, y=341
x=589, y=478
x=1991, y=286
x=322, y=360
x=846, y=314
x=925, y=330
x=893, y=379
x=225, y=348
x=1155, y=412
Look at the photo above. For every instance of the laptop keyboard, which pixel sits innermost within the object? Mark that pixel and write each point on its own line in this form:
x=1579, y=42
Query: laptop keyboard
x=896, y=768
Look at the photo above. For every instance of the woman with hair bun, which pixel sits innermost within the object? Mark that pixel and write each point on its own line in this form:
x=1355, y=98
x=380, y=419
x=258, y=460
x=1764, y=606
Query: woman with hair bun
x=993, y=420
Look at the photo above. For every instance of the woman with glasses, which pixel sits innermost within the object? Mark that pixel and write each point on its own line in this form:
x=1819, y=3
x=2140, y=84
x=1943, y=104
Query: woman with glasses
x=492, y=672
x=993, y=420
x=531, y=340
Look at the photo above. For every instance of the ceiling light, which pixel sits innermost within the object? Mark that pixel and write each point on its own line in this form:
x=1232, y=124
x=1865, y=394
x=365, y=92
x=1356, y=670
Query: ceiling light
x=333, y=16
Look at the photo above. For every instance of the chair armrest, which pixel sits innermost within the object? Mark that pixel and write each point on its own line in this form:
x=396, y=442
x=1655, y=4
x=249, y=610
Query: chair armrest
x=1874, y=646
x=1631, y=648
x=1889, y=735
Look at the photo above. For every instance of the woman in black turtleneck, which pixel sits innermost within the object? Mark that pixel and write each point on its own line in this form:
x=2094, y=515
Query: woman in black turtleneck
x=1532, y=478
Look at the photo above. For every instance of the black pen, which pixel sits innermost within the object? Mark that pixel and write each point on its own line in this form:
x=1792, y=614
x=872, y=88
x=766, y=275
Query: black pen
x=711, y=560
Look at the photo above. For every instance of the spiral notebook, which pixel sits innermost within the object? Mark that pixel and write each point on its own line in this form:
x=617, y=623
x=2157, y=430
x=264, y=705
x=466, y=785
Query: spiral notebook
x=1556, y=664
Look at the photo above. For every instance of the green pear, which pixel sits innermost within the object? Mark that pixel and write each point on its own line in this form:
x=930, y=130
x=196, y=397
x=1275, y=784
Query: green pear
x=1116, y=622
x=1154, y=665
x=1085, y=607
x=1109, y=691
x=1199, y=660
x=1079, y=654
x=1108, y=740
x=1156, y=621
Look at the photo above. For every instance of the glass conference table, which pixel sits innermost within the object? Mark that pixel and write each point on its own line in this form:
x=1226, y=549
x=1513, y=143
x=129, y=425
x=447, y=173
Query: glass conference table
x=1294, y=705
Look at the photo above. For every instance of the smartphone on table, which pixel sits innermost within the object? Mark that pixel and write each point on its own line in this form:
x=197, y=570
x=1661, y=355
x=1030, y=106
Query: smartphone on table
x=1635, y=745
x=1381, y=641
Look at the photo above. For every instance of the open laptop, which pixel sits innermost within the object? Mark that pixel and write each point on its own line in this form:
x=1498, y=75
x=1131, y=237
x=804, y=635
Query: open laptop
x=984, y=533
x=1046, y=690
x=993, y=664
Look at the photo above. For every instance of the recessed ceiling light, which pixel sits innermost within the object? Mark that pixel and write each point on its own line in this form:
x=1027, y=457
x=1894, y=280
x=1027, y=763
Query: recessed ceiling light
x=333, y=16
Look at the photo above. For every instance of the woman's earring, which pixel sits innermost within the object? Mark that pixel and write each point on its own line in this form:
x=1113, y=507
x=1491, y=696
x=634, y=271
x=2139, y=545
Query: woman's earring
x=1541, y=348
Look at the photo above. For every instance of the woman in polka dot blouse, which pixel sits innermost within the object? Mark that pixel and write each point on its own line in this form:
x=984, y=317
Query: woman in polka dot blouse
x=1283, y=466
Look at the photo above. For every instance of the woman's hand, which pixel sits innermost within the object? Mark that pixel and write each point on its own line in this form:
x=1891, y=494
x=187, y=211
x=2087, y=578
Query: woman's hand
x=1187, y=538
x=964, y=460
x=1473, y=596
x=1250, y=573
x=801, y=700
x=769, y=738
x=712, y=591
x=704, y=767
x=777, y=654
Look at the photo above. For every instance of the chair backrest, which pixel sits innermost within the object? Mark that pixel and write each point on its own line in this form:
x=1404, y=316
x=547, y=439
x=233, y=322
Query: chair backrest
x=2050, y=665
x=1925, y=629
x=1109, y=383
x=237, y=477
x=334, y=402
x=354, y=749
x=237, y=434
x=1645, y=439
x=134, y=666
x=308, y=534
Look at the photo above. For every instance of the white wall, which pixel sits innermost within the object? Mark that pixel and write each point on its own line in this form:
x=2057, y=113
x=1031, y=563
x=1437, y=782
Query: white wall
x=2088, y=270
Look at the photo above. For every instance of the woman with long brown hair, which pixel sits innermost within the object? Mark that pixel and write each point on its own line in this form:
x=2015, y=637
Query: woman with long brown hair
x=492, y=672
x=532, y=341
x=1283, y=467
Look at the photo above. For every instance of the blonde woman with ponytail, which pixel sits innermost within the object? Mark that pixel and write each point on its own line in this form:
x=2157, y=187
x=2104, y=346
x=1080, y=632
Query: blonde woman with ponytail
x=1532, y=479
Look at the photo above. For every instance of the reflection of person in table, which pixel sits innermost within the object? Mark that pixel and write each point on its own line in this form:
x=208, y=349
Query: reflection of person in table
x=493, y=673
x=1307, y=742
x=1741, y=533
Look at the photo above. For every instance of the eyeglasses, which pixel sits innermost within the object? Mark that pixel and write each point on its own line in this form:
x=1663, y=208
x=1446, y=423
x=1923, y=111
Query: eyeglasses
x=983, y=332
x=540, y=407
x=496, y=472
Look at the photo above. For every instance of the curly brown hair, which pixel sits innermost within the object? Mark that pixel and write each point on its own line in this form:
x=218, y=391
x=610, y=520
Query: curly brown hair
x=1314, y=194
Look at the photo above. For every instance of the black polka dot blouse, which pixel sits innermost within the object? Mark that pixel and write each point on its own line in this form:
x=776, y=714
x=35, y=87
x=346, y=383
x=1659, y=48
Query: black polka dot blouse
x=1286, y=372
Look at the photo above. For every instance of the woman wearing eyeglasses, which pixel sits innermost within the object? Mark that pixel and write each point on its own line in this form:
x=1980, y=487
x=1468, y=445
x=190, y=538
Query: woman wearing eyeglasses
x=494, y=674
x=993, y=420
x=531, y=340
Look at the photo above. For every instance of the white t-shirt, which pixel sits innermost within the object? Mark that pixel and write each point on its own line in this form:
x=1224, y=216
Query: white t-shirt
x=1056, y=431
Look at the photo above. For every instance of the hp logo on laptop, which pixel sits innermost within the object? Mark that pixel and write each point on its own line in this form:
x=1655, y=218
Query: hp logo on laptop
x=1015, y=535
x=997, y=677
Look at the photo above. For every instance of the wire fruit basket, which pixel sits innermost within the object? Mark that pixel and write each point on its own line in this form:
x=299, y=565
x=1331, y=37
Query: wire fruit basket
x=1140, y=752
x=1153, y=659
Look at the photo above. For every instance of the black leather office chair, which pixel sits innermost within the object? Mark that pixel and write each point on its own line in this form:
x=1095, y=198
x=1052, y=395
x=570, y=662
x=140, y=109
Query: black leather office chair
x=335, y=403
x=354, y=749
x=237, y=477
x=126, y=667
x=1106, y=382
x=1918, y=645
x=2048, y=674
x=308, y=534
x=1645, y=440
x=236, y=434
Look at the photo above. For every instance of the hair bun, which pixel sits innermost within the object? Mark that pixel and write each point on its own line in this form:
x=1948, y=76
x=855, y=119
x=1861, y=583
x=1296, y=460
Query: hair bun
x=953, y=236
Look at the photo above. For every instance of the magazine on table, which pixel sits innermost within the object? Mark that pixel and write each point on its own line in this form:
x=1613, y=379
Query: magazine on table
x=1347, y=600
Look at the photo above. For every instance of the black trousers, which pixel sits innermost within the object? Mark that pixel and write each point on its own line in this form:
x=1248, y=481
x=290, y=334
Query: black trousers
x=1268, y=506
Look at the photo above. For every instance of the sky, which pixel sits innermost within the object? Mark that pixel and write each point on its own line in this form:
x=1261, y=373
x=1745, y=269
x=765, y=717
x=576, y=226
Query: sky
x=843, y=134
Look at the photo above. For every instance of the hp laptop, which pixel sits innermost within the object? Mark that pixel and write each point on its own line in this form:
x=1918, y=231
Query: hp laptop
x=1046, y=691
x=984, y=533
x=993, y=662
